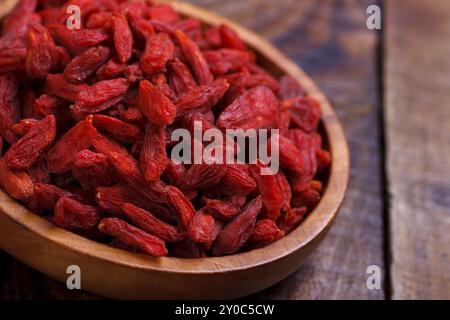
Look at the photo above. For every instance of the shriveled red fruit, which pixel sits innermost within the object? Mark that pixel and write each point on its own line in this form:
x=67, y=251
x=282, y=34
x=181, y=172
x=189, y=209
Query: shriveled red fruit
x=133, y=236
x=116, y=128
x=308, y=198
x=269, y=189
x=156, y=107
x=111, y=69
x=41, y=52
x=237, y=181
x=86, y=64
x=202, y=98
x=9, y=107
x=23, y=126
x=305, y=112
x=62, y=155
x=151, y=224
x=16, y=23
x=12, y=55
x=290, y=156
x=111, y=199
x=77, y=41
x=17, y=184
x=123, y=39
x=257, y=108
x=47, y=195
x=236, y=233
x=194, y=58
x=291, y=219
x=205, y=175
x=204, y=229
x=266, y=231
x=222, y=210
x=101, y=96
x=164, y=13
x=230, y=39
x=223, y=61
x=71, y=214
x=153, y=158
x=58, y=86
x=92, y=170
x=307, y=146
x=142, y=28
x=180, y=77
x=285, y=189
x=24, y=153
x=158, y=51
x=290, y=88
x=180, y=205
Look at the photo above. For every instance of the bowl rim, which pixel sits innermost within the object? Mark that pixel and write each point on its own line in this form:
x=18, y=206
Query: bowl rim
x=318, y=221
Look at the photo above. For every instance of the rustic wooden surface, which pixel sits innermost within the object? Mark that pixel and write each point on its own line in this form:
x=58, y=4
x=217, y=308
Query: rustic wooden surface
x=407, y=236
x=418, y=146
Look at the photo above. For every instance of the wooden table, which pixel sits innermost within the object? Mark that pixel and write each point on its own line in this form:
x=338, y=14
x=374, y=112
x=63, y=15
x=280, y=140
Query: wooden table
x=391, y=90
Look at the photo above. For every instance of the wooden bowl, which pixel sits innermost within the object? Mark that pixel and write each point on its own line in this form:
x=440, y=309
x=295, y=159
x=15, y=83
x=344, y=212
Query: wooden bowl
x=120, y=274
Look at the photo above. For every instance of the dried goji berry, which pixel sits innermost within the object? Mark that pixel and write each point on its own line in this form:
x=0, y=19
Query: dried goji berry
x=24, y=153
x=86, y=64
x=111, y=199
x=58, y=86
x=236, y=233
x=203, y=176
x=237, y=181
x=291, y=219
x=223, y=61
x=17, y=184
x=257, y=108
x=204, y=229
x=305, y=112
x=158, y=51
x=23, y=126
x=180, y=205
x=101, y=96
x=269, y=189
x=62, y=155
x=180, y=77
x=194, y=58
x=230, y=39
x=222, y=210
x=149, y=223
x=41, y=52
x=92, y=170
x=9, y=107
x=123, y=39
x=71, y=214
x=77, y=41
x=16, y=23
x=266, y=231
x=116, y=128
x=133, y=236
x=153, y=158
x=47, y=195
x=203, y=98
x=154, y=105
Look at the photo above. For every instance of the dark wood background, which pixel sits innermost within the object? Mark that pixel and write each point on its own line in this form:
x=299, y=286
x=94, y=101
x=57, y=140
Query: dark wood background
x=390, y=88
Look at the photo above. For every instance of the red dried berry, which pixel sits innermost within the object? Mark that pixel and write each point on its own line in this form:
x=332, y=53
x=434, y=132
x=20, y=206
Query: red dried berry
x=24, y=153
x=158, y=51
x=153, y=158
x=71, y=214
x=17, y=184
x=133, y=236
x=62, y=155
x=86, y=64
x=116, y=128
x=236, y=233
x=149, y=223
x=156, y=107
x=123, y=39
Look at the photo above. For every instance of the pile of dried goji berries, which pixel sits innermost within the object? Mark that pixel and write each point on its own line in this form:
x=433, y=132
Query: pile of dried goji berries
x=86, y=117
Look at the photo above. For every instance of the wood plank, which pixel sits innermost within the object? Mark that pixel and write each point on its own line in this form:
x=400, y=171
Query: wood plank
x=417, y=84
x=329, y=39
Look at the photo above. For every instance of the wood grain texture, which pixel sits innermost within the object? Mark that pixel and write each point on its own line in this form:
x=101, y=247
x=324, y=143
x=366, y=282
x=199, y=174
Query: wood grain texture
x=329, y=39
x=418, y=134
